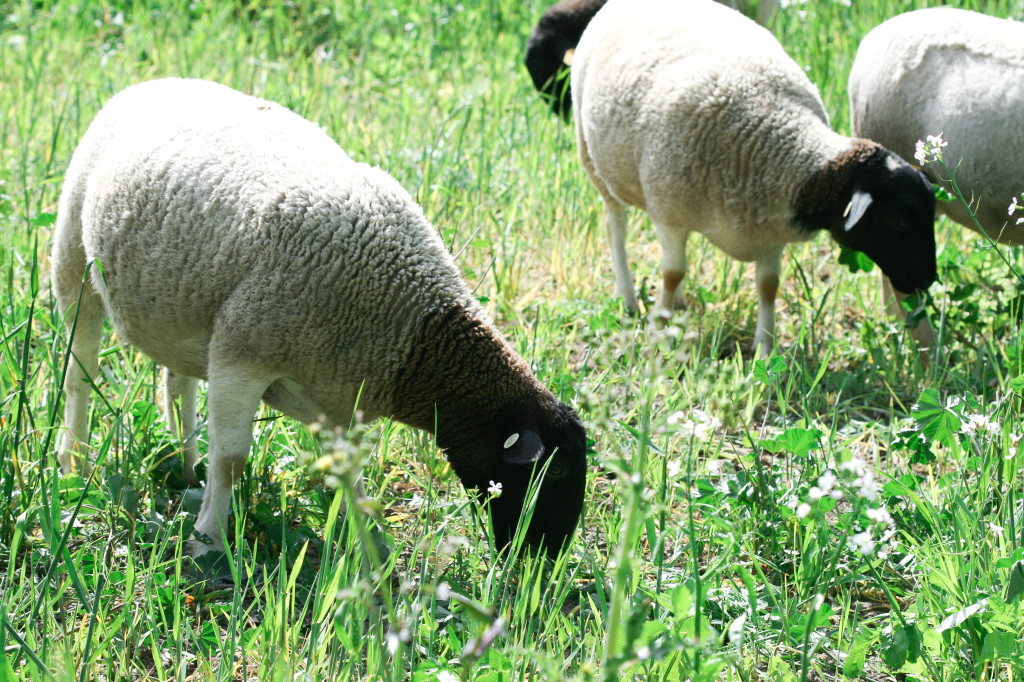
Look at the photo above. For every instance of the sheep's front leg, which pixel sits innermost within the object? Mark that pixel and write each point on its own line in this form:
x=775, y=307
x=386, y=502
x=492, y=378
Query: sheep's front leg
x=673, y=268
x=767, y=279
x=182, y=424
x=233, y=397
x=615, y=220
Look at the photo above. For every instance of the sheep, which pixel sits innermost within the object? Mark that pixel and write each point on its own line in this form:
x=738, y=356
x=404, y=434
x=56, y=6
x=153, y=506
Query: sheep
x=551, y=45
x=960, y=73
x=695, y=114
x=236, y=242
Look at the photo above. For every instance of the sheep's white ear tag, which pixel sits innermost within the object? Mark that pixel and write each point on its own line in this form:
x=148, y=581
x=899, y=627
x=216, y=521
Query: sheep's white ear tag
x=858, y=207
x=522, y=447
x=567, y=57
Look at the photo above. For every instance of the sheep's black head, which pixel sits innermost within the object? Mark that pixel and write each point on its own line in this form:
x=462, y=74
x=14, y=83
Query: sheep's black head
x=514, y=447
x=889, y=215
x=550, y=47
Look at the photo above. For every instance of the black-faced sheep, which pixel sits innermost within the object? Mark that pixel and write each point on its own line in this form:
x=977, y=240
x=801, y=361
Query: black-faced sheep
x=697, y=115
x=960, y=73
x=239, y=244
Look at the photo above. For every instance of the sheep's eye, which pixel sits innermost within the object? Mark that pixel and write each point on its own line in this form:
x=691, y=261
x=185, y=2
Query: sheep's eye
x=557, y=471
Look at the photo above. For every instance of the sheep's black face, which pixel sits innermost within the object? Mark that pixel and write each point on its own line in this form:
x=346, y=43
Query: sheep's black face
x=891, y=218
x=549, y=48
x=545, y=60
x=514, y=448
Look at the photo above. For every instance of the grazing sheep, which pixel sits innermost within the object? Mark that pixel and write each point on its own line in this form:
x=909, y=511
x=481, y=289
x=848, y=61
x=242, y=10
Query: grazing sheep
x=549, y=50
x=239, y=244
x=695, y=114
x=956, y=72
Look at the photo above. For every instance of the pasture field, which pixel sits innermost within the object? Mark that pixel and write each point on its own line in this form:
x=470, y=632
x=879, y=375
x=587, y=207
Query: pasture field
x=840, y=509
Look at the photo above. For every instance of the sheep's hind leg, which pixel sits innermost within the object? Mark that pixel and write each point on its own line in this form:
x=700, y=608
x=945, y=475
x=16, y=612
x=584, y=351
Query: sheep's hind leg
x=767, y=280
x=615, y=220
x=182, y=424
x=233, y=396
x=83, y=365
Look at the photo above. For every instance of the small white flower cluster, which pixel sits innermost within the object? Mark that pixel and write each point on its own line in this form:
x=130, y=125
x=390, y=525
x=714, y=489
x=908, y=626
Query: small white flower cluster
x=494, y=489
x=864, y=479
x=826, y=487
x=979, y=425
x=1014, y=206
x=930, y=150
x=699, y=425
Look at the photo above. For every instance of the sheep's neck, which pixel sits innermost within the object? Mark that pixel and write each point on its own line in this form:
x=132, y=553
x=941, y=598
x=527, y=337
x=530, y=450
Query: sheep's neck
x=458, y=375
x=822, y=200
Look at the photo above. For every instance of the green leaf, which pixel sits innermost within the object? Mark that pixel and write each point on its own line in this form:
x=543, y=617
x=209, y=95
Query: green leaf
x=998, y=645
x=894, y=646
x=915, y=641
x=1015, y=583
x=682, y=600
x=44, y=219
x=766, y=370
x=855, y=261
x=797, y=441
x=1017, y=384
x=936, y=421
x=853, y=666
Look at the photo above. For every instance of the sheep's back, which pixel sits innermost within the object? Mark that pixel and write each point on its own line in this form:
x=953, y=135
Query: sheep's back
x=956, y=72
x=221, y=218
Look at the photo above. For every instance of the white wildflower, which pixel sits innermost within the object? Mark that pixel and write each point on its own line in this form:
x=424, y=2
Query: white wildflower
x=867, y=486
x=393, y=639
x=854, y=466
x=803, y=510
x=674, y=467
x=879, y=516
x=827, y=481
x=1013, y=207
x=930, y=149
x=979, y=424
x=996, y=529
x=445, y=676
x=699, y=425
x=643, y=653
x=864, y=543
x=494, y=489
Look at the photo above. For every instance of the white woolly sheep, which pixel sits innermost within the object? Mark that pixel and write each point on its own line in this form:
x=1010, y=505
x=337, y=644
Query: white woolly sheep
x=239, y=244
x=960, y=73
x=695, y=114
x=550, y=48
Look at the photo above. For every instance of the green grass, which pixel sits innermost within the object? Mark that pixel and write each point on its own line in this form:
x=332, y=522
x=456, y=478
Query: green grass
x=697, y=558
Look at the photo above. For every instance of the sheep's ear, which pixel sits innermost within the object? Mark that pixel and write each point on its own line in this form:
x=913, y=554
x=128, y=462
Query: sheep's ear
x=859, y=204
x=522, y=447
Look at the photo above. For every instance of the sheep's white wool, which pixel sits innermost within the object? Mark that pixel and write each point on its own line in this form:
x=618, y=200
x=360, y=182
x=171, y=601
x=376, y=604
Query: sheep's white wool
x=960, y=73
